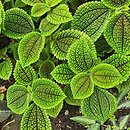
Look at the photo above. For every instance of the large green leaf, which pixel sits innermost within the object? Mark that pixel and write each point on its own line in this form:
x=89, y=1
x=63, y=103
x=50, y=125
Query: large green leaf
x=17, y=99
x=32, y=2
x=100, y=106
x=91, y=18
x=17, y=23
x=46, y=93
x=25, y=75
x=5, y=69
x=117, y=32
x=63, y=74
x=105, y=75
x=60, y=15
x=80, y=57
x=35, y=118
x=82, y=86
x=52, y=3
x=30, y=48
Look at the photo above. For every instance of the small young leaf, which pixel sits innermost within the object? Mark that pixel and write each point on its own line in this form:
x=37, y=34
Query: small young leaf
x=17, y=98
x=117, y=32
x=32, y=2
x=123, y=122
x=46, y=93
x=91, y=18
x=62, y=74
x=47, y=28
x=5, y=69
x=35, y=118
x=52, y=3
x=105, y=75
x=30, y=48
x=100, y=106
x=60, y=15
x=39, y=9
x=17, y=23
x=53, y=112
x=25, y=75
x=1, y=96
x=19, y=3
x=82, y=86
x=80, y=57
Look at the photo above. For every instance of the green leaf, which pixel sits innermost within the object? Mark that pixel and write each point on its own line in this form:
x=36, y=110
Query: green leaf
x=47, y=28
x=123, y=122
x=105, y=75
x=60, y=15
x=124, y=105
x=117, y=33
x=100, y=106
x=52, y=3
x=46, y=68
x=122, y=63
x=80, y=57
x=62, y=74
x=17, y=99
x=55, y=111
x=3, y=52
x=39, y=9
x=46, y=93
x=114, y=4
x=82, y=86
x=1, y=96
x=5, y=69
x=30, y=48
x=32, y=2
x=19, y=3
x=35, y=118
x=70, y=99
x=91, y=18
x=17, y=23
x=24, y=76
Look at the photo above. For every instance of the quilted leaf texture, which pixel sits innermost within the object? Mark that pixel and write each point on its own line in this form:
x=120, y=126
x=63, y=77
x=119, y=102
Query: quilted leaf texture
x=24, y=76
x=100, y=106
x=80, y=57
x=91, y=18
x=39, y=9
x=117, y=33
x=122, y=63
x=54, y=112
x=17, y=99
x=17, y=23
x=5, y=69
x=35, y=118
x=46, y=93
x=52, y=3
x=70, y=99
x=62, y=74
x=115, y=3
x=105, y=75
x=32, y=2
x=60, y=15
x=82, y=86
x=30, y=48
x=47, y=28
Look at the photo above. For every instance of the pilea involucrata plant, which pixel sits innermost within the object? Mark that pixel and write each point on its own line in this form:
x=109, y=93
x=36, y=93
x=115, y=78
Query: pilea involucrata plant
x=57, y=50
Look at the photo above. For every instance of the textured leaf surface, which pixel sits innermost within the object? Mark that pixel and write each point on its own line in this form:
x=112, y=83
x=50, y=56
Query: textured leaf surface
x=47, y=28
x=91, y=18
x=32, y=2
x=100, y=106
x=46, y=93
x=105, y=75
x=80, y=57
x=63, y=74
x=30, y=48
x=25, y=75
x=55, y=111
x=117, y=33
x=82, y=86
x=39, y=9
x=35, y=118
x=5, y=69
x=70, y=99
x=52, y=3
x=122, y=63
x=17, y=98
x=17, y=23
x=60, y=15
